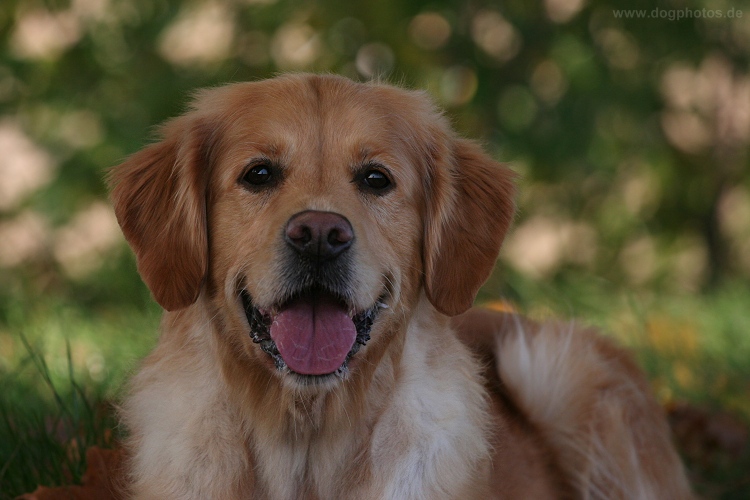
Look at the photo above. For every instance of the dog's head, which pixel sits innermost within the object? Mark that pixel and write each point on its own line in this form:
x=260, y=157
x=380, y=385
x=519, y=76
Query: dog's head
x=308, y=213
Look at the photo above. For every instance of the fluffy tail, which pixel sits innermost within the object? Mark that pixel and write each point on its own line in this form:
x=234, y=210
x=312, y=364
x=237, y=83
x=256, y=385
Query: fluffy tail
x=593, y=406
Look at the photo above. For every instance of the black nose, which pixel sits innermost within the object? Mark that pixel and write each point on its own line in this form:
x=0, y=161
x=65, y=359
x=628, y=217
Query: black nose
x=320, y=235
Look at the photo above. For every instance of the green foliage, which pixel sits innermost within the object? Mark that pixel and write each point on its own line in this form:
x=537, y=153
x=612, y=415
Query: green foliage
x=628, y=124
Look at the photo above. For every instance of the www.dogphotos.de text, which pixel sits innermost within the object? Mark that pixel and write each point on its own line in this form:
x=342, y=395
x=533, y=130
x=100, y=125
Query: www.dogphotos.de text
x=678, y=14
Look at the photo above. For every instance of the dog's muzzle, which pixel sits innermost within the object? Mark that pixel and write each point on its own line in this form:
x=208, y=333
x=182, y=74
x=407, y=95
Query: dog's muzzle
x=314, y=329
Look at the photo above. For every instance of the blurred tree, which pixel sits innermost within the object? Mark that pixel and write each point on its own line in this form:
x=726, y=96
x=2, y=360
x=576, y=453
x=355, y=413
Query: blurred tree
x=630, y=124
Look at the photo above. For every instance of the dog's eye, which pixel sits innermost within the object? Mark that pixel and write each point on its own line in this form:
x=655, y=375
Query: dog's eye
x=376, y=180
x=259, y=175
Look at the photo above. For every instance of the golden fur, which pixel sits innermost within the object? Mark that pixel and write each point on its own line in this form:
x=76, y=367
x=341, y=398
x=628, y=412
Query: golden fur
x=552, y=412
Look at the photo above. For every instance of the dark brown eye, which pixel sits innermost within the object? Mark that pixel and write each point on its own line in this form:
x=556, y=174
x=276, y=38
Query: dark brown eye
x=376, y=180
x=258, y=176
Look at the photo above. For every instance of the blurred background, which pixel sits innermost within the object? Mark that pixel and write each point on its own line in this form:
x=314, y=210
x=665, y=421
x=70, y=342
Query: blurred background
x=628, y=123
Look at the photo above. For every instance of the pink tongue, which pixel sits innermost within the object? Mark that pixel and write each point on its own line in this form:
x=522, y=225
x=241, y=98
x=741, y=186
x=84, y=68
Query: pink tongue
x=313, y=335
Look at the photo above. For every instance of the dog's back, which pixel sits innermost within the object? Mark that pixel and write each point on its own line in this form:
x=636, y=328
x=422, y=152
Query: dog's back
x=583, y=400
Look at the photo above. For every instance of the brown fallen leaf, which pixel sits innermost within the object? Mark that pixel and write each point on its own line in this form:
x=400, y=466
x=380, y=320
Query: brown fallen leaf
x=705, y=436
x=101, y=480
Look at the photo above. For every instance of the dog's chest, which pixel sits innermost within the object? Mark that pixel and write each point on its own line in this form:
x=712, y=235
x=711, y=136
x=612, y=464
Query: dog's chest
x=306, y=465
x=429, y=442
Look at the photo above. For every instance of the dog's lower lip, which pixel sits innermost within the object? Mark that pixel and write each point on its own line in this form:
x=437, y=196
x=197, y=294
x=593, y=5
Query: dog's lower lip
x=260, y=320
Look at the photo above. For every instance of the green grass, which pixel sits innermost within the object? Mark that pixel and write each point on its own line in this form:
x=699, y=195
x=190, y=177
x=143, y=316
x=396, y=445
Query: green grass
x=61, y=367
x=46, y=430
x=63, y=364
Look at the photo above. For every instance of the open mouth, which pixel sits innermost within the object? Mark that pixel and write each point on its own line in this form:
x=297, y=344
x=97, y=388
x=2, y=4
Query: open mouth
x=313, y=333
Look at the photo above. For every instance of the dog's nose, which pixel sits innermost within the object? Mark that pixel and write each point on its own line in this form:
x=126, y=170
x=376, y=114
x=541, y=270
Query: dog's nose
x=322, y=235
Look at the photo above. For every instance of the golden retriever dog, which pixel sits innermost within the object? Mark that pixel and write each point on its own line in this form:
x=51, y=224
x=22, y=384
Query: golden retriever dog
x=316, y=244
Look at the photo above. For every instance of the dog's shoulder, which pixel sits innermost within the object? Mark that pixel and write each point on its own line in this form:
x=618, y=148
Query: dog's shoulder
x=187, y=436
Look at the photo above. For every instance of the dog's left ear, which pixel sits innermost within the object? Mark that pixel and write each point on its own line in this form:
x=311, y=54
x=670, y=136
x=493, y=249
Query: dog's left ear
x=470, y=207
x=159, y=196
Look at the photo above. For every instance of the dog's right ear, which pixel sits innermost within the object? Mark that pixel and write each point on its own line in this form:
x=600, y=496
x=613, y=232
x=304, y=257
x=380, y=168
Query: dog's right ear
x=159, y=197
